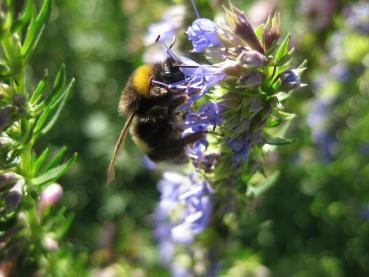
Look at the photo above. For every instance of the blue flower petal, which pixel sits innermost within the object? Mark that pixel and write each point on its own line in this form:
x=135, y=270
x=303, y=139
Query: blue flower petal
x=203, y=34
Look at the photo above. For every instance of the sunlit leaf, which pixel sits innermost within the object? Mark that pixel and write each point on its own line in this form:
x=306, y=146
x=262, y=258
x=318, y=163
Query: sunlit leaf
x=53, y=174
x=35, y=30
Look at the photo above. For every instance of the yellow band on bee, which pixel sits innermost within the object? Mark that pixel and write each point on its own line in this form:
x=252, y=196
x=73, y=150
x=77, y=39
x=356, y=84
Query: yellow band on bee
x=141, y=79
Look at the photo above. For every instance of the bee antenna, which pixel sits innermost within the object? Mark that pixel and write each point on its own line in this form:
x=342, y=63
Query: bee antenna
x=157, y=39
x=169, y=50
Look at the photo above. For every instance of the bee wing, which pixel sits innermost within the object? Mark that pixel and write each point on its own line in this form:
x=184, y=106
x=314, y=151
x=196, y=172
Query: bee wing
x=118, y=146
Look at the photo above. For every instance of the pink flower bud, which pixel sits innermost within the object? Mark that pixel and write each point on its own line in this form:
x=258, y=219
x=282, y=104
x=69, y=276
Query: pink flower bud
x=50, y=243
x=50, y=196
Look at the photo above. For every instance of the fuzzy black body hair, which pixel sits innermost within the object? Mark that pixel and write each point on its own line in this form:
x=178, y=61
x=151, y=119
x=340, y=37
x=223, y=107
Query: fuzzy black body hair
x=155, y=127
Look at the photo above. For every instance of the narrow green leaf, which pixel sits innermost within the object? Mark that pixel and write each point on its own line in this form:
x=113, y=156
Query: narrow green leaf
x=282, y=49
x=278, y=140
x=258, y=30
x=37, y=92
x=53, y=174
x=273, y=122
x=258, y=189
x=57, y=90
x=54, y=218
x=286, y=116
x=41, y=120
x=35, y=30
x=59, y=105
x=25, y=17
x=302, y=67
x=40, y=161
x=60, y=78
x=57, y=158
x=64, y=227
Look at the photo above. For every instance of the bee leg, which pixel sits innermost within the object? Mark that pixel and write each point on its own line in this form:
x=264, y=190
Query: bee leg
x=191, y=138
x=177, y=101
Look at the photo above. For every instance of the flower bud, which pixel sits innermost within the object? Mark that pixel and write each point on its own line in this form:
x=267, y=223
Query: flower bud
x=250, y=80
x=5, y=117
x=5, y=143
x=253, y=58
x=19, y=100
x=8, y=178
x=50, y=196
x=271, y=31
x=290, y=79
x=242, y=28
x=5, y=89
x=50, y=243
x=14, y=197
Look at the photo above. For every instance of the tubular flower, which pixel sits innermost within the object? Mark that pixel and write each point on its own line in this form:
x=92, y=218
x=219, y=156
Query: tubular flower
x=186, y=203
x=203, y=34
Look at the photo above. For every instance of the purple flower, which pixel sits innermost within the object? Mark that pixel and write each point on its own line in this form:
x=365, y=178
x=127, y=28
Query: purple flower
x=203, y=34
x=184, y=208
x=208, y=115
x=240, y=148
x=290, y=79
x=198, y=80
x=201, y=159
x=358, y=17
x=322, y=134
x=198, y=77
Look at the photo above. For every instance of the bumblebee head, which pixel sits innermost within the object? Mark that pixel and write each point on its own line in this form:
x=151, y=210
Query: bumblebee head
x=141, y=79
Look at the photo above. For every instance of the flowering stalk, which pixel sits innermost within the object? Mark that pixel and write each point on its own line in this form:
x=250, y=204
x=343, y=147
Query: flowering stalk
x=236, y=102
x=25, y=116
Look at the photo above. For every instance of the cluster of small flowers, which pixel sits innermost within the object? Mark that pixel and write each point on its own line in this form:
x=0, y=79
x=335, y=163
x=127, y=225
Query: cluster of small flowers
x=248, y=72
x=182, y=213
x=239, y=55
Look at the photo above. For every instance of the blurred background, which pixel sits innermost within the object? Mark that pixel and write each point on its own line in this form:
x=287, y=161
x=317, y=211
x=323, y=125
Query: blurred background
x=313, y=222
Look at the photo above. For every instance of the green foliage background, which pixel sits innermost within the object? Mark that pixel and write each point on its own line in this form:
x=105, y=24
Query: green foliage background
x=308, y=224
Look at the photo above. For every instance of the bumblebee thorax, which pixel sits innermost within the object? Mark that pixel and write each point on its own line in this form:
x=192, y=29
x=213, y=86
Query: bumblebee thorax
x=141, y=79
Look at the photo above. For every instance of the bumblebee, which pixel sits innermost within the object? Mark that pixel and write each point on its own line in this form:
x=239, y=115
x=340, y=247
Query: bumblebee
x=152, y=117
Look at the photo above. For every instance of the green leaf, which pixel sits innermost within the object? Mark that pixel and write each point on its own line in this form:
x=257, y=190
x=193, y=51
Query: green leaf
x=261, y=185
x=64, y=226
x=41, y=120
x=57, y=158
x=273, y=122
x=286, y=116
x=277, y=140
x=60, y=79
x=37, y=92
x=54, y=218
x=258, y=30
x=282, y=49
x=57, y=91
x=35, y=30
x=25, y=17
x=276, y=87
x=59, y=104
x=53, y=174
x=40, y=161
